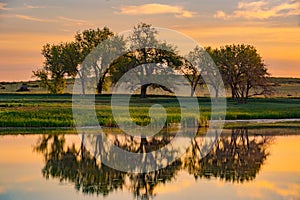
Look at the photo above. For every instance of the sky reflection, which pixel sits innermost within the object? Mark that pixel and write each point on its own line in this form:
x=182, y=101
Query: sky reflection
x=21, y=176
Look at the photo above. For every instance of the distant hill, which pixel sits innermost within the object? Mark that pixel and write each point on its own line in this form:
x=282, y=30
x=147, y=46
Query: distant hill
x=279, y=80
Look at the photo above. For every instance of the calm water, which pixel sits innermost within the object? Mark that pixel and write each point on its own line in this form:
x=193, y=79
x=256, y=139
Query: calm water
x=243, y=165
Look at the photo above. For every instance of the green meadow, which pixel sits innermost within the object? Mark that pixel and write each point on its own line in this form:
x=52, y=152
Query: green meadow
x=45, y=110
x=37, y=108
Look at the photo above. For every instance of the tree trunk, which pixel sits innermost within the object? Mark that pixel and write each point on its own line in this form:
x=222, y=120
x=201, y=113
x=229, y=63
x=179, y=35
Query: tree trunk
x=100, y=87
x=101, y=82
x=194, y=85
x=247, y=91
x=217, y=93
x=83, y=86
x=232, y=92
x=81, y=76
x=192, y=92
x=82, y=147
x=144, y=91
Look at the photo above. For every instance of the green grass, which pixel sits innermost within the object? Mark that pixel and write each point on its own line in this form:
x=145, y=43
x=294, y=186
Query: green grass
x=44, y=110
x=251, y=125
x=273, y=108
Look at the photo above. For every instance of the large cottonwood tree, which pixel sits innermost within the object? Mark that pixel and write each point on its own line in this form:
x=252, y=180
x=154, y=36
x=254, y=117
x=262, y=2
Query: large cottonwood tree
x=243, y=70
x=60, y=61
x=69, y=59
x=146, y=50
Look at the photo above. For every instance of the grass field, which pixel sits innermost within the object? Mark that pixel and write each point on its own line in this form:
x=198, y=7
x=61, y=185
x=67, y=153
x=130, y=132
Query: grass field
x=36, y=108
x=284, y=87
x=45, y=110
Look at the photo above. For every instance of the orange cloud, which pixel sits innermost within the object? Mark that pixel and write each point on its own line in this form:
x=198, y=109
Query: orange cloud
x=152, y=9
x=67, y=22
x=261, y=10
x=74, y=22
x=33, y=7
x=220, y=14
x=35, y=19
x=3, y=6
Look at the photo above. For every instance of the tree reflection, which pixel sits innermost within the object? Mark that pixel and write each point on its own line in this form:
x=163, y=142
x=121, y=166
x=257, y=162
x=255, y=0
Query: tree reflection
x=235, y=158
x=76, y=165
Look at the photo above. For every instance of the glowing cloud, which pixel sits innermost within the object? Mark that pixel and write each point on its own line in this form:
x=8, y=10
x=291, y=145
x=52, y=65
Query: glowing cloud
x=75, y=21
x=152, y=9
x=220, y=14
x=33, y=7
x=29, y=18
x=3, y=6
x=262, y=9
x=69, y=22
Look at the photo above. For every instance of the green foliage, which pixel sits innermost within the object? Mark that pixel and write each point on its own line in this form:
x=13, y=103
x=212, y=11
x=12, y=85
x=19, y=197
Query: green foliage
x=144, y=50
x=92, y=57
x=91, y=38
x=56, y=110
x=243, y=70
x=199, y=69
x=65, y=59
x=55, y=86
x=60, y=60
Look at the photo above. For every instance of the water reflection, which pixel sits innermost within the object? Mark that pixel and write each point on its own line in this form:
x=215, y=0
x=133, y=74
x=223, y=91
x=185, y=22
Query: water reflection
x=237, y=157
x=76, y=165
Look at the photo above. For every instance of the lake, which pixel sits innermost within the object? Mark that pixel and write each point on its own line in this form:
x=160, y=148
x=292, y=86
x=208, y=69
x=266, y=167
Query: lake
x=244, y=164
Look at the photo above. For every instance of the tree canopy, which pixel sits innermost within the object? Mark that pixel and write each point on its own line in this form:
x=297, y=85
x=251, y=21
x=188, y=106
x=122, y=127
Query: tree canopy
x=243, y=70
x=65, y=59
x=152, y=55
x=241, y=67
x=60, y=60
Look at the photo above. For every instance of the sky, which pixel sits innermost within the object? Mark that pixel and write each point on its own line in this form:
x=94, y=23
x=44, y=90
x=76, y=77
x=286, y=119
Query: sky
x=272, y=26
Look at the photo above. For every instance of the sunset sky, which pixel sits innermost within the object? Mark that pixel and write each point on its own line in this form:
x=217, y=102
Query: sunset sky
x=272, y=26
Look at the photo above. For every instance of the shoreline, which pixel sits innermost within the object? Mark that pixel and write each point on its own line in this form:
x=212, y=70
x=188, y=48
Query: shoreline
x=228, y=124
x=262, y=120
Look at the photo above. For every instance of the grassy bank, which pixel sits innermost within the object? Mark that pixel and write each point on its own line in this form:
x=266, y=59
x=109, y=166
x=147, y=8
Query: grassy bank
x=44, y=110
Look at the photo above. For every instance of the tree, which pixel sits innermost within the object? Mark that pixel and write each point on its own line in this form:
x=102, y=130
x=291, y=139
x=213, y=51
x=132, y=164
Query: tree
x=60, y=60
x=88, y=40
x=243, y=70
x=212, y=72
x=71, y=59
x=199, y=69
x=147, y=51
x=191, y=72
